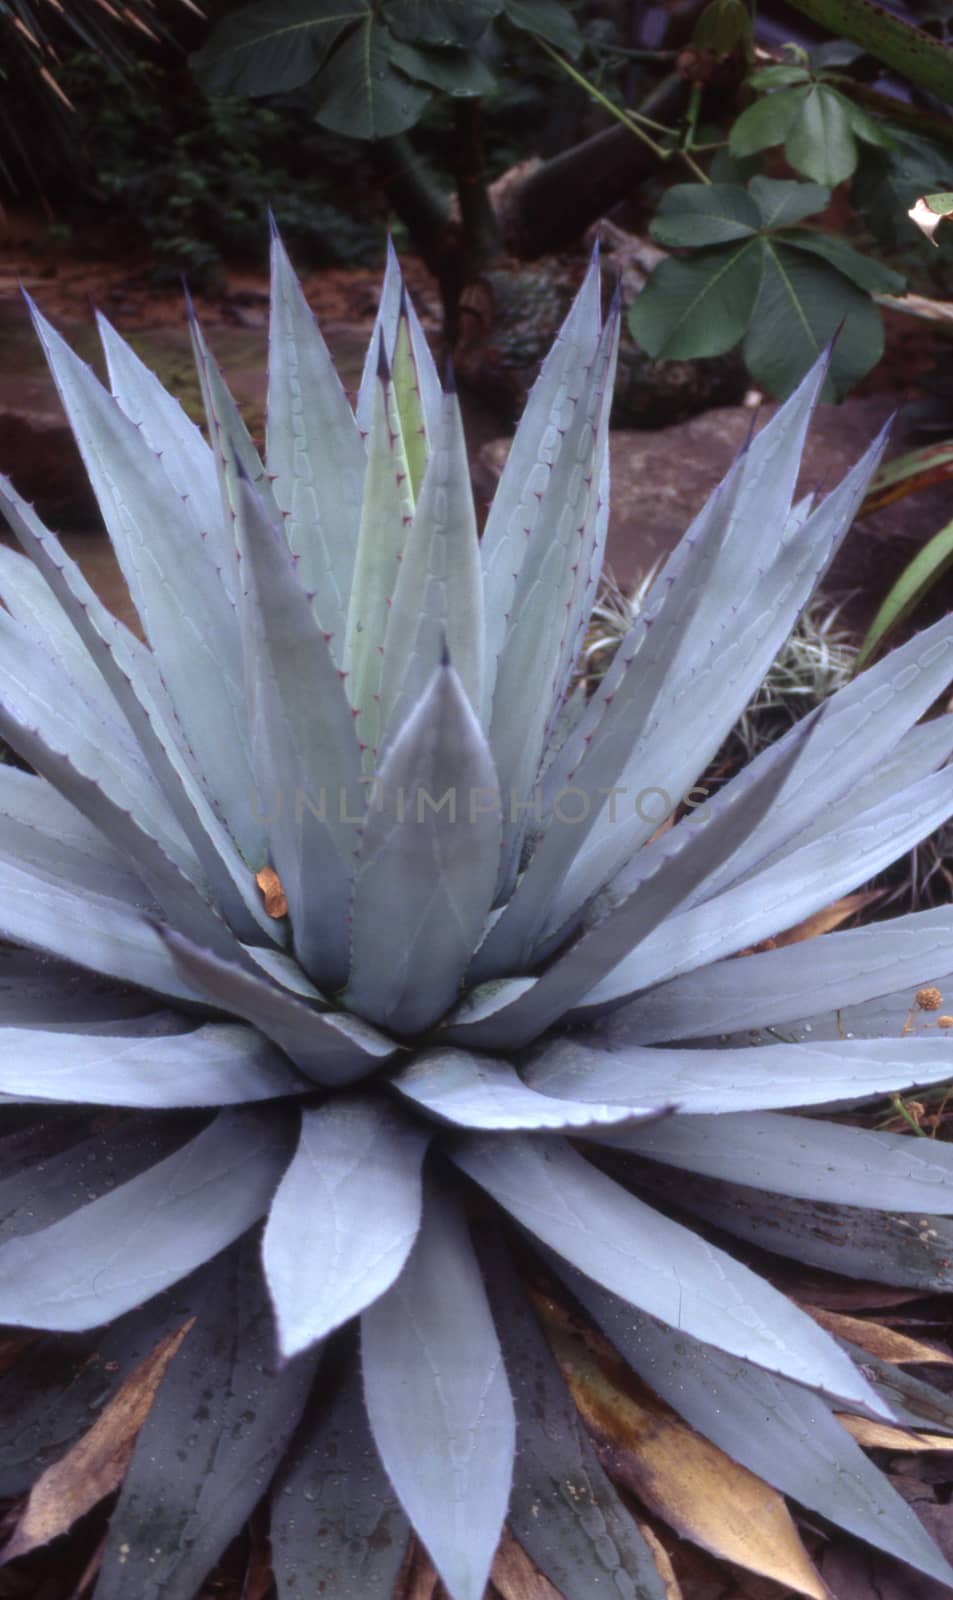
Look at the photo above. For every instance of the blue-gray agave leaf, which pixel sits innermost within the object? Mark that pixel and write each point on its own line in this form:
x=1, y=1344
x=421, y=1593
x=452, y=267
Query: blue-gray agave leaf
x=344, y=1218
x=656, y=1264
x=109, y=1255
x=451, y=1462
x=339, y=851
x=333, y=1471
x=227, y=1402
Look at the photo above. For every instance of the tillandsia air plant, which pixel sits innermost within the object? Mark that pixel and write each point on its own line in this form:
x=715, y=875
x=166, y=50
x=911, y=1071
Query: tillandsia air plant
x=334, y=909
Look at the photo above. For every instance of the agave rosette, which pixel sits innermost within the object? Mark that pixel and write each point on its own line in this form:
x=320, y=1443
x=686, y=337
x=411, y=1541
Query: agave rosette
x=482, y=987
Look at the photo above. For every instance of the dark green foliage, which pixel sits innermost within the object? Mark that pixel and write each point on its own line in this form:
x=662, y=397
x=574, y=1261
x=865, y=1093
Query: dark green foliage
x=755, y=275
x=371, y=65
x=194, y=175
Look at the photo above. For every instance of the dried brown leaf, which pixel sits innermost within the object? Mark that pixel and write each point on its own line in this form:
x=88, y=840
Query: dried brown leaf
x=880, y=1341
x=515, y=1577
x=95, y=1465
x=882, y=1436
x=663, y=1561
x=681, y=1477
x=830, y=917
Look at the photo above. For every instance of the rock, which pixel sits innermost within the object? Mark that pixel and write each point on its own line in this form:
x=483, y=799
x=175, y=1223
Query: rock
x=38, y=453
x=661, y=479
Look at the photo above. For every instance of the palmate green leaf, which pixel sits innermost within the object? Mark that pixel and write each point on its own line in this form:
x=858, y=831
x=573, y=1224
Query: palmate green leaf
x=549, y=20
x=768, y=121
x=700, y=214
x=273, y=46
x=655, y=1264
x=699, y=306
x=446, y=1432
x=440, y=22
x=820, y=141
x=783, y=202
x=114, y=1252
x=800, y=306
x=861, y=270
x=772, y=1427
x=344, y=1218
x=225, y=1401
x=360, y=92
x=455, y=72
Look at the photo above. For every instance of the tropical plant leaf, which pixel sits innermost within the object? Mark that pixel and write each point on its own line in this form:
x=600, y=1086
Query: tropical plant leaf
x=457, y=23
x=800, y=306
x=700, y=214
x=782, y=202
x=344, y=1218
x=700, y=306
x=446, y=1433
x=866, y=273
x=274, y=46
x=359, y=91
x=548, y=20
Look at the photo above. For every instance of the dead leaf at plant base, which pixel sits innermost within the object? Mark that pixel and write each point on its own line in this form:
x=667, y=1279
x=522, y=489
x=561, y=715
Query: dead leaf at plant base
x=95, y=1465
x=679, y=1476
x=879, y=1340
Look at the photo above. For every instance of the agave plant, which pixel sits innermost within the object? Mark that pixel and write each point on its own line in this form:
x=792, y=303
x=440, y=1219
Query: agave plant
x=335, y=908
